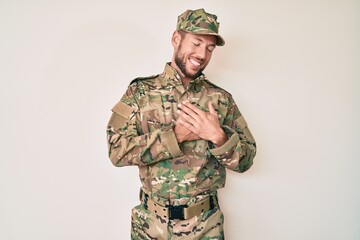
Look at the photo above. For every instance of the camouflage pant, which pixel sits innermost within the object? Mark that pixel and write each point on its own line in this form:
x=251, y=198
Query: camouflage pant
x=145, y=225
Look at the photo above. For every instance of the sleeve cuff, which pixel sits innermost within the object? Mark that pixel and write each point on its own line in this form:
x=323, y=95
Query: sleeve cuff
x=168, y=139
x=228, y=145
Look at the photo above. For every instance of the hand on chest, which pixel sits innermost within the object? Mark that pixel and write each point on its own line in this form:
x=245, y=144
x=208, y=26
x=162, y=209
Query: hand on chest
x=157, y=108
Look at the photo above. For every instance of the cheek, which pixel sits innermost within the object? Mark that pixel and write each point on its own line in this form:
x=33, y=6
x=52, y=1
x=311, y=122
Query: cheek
x=208, y=57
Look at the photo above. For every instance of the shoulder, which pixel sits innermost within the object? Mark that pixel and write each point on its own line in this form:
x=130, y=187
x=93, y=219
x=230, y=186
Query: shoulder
x=140, y=86
x=141, y=79
x=216, y=87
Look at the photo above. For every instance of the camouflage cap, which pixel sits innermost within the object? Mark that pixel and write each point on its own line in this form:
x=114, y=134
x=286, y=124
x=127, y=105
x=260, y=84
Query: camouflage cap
x=200, y=22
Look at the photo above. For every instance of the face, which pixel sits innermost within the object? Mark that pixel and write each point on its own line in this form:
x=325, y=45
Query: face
x=193, y=53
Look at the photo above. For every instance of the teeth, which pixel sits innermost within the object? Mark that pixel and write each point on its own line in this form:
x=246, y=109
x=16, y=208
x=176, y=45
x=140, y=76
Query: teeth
x=194, y=62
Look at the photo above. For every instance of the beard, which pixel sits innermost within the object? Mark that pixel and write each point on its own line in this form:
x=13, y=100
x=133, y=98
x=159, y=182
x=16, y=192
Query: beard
x=181, y=63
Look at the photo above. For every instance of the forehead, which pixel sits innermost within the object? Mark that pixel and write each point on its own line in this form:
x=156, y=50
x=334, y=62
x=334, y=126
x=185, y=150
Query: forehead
x=208, y=39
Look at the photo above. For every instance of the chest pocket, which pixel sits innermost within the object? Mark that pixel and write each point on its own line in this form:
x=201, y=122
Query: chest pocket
x=151, y=113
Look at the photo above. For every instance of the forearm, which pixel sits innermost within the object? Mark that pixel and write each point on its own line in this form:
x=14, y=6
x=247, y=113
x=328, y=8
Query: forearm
x=129, y=149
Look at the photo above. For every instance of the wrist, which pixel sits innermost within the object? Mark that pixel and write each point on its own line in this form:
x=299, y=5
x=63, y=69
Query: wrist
x=220, y=138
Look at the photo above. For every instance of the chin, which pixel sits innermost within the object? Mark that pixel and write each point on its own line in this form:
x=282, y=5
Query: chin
x=193, y=72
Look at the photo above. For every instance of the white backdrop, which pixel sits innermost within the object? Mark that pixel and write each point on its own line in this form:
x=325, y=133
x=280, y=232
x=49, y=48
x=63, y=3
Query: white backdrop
x=292, y=67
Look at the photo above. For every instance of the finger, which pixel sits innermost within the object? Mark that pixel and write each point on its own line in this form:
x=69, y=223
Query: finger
x=187, y=125
x=184, y=117
x=193, y=107
x=188, y=119
x=181, y=122
x=184, y=111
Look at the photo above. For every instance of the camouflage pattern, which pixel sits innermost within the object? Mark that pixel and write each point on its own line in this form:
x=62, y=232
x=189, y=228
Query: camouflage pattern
x=200, y=22
x=145, y=225
x=140, y=132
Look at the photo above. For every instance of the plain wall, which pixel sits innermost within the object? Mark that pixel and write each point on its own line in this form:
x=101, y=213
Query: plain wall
x=293, y=68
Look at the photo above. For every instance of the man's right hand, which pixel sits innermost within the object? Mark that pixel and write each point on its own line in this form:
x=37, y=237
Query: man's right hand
x=183, y=134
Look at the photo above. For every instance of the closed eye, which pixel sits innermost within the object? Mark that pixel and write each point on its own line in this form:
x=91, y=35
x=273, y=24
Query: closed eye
x=211, y=48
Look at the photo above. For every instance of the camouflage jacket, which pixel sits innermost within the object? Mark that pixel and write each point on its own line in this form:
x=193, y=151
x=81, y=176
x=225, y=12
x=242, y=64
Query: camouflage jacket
x=140, y=132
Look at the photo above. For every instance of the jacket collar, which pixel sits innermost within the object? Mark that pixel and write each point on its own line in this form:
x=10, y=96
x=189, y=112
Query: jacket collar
x=171, y=74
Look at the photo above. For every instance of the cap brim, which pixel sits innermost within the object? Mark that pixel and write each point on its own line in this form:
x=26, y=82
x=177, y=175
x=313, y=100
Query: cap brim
x=220, y=41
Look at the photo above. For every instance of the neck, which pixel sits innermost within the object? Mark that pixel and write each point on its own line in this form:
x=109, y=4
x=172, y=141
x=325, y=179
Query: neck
x=185, y=82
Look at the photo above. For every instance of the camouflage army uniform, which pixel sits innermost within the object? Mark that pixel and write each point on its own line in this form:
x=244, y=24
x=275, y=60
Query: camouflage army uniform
x=140, y=132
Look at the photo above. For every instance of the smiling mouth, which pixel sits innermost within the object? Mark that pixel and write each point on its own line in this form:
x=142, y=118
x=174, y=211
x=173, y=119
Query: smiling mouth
x=194, y=62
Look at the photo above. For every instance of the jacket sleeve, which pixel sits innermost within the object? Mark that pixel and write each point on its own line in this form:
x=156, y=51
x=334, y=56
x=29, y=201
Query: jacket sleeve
x=127, y=147
x=239, y=151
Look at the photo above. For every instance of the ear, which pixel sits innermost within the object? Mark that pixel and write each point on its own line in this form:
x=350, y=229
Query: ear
x=175, y=40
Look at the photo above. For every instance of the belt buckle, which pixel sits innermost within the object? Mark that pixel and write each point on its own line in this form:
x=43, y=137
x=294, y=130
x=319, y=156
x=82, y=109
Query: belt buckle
x=176, y=212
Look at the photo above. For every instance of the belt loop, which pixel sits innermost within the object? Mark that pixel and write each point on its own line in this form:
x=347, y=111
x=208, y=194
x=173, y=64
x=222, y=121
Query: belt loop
x=144, y=198
x=211, y=202
x=141, y=194
x=145, y=201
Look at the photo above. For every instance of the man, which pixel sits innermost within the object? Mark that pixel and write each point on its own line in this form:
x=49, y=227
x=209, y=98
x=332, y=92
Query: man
x=182, y=132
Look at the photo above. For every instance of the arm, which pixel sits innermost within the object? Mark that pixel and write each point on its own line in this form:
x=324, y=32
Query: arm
x=238, y=152
x=231, y=143
x=127, y=147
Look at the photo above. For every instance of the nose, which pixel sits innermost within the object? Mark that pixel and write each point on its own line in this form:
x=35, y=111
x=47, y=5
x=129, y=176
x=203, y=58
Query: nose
x=202, y=52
